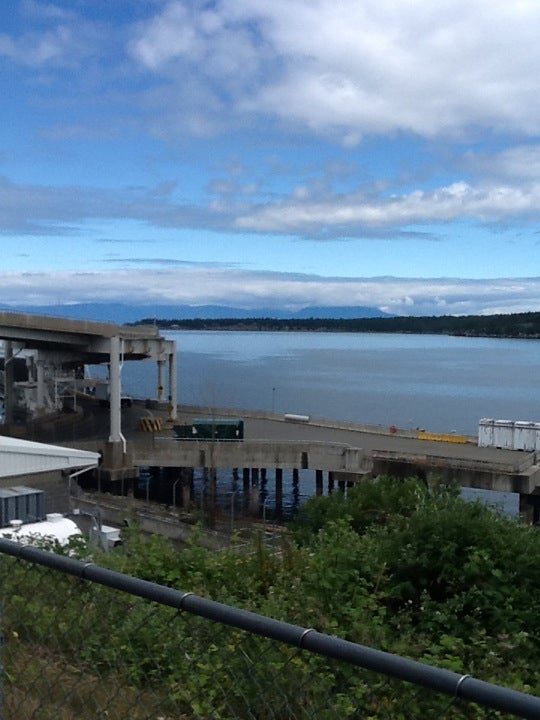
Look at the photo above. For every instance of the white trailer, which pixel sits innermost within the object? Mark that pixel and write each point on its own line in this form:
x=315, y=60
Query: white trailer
x=503, y=434
x=524, y=435
x=485, y=432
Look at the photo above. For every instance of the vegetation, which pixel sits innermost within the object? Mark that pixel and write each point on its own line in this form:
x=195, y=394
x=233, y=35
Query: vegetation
x=394, y=565
x=517, y=325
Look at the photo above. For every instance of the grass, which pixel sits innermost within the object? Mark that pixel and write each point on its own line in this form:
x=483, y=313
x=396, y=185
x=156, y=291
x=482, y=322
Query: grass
x=41, y=685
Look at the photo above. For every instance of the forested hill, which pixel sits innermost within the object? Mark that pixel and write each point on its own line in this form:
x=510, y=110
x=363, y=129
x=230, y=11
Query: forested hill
x=518, y=325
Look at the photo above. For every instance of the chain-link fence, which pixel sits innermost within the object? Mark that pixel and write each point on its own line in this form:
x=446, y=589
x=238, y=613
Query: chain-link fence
x=83, y=642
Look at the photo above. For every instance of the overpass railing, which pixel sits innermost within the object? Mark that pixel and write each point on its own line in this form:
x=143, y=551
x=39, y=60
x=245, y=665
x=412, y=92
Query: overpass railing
x=81, y=641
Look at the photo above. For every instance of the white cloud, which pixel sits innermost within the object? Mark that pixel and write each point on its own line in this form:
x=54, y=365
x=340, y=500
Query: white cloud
x=199, y=285
x=355, y=213
x=515, y=164
x=52, y=38
x=209, y=40
x=35, y=50
x=344, y=68
x=371, y=67
x=34, y=209
x=167, y=36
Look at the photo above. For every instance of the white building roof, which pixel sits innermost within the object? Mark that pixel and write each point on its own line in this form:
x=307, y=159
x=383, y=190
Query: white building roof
x=23, y=457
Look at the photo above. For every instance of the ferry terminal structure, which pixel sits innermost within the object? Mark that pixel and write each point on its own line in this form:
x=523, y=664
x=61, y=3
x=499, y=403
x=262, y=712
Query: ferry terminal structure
x=57, y=350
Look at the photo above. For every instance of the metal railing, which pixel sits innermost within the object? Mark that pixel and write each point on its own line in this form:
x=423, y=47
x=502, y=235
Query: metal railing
x=81, y=641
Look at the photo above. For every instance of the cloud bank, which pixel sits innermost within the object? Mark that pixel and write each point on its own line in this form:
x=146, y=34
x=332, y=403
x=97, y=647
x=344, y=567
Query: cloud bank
x=34, y=209
x=292, y=291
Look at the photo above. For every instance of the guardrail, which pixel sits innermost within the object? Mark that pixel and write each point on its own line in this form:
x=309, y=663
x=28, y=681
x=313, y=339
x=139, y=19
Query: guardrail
x=82, y=641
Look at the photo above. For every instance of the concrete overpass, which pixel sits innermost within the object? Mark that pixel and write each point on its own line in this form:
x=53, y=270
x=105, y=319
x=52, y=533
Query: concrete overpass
x=56, y=351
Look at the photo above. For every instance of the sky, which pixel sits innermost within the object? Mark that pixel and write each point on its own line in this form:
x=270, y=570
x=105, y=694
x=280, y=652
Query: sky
x=271, y=154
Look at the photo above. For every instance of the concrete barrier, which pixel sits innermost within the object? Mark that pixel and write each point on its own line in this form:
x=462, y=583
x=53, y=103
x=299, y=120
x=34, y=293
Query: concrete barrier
x=150, y=424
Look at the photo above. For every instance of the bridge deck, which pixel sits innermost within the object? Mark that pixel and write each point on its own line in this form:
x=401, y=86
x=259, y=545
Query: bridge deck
x=271, y=442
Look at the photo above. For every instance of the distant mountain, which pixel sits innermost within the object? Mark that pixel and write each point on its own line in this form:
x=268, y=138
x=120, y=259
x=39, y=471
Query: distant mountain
x=124, y=313
x=99, y=312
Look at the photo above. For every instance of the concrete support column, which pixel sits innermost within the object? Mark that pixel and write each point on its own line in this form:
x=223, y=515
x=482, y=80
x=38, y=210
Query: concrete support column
x=161, y=380
x=173, y=391
x=245, y=487
x=186, y=483
x=213, y=487
x=318, y=483
x=40, y=384
x=172, y=477
x=177, y=487
x=113, y=456
x=187, y=491
x=295, y=489
x=114, y=391
x=9, y=376
x=330, y=482
x=183, y=488
x=254, y=491
x=279, y=491
x=529, y=509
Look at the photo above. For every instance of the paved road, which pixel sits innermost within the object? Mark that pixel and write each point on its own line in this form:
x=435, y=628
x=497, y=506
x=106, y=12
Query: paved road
x=256, y=429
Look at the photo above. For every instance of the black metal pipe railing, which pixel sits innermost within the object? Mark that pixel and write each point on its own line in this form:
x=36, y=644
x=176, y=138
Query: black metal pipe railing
x=458, y=686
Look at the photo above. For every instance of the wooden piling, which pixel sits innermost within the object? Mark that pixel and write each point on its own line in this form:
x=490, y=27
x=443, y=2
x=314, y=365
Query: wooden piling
x=279, y=491
x=318, y=483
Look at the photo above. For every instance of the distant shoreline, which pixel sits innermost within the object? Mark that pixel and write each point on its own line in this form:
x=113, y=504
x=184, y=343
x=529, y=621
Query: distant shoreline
x=511, y=326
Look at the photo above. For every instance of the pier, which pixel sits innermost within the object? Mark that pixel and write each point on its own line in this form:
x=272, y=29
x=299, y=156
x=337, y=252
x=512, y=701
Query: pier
x=56, y=352
x=342, y=454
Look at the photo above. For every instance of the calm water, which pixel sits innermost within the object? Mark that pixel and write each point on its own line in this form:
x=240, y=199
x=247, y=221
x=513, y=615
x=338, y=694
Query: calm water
x=443, y=384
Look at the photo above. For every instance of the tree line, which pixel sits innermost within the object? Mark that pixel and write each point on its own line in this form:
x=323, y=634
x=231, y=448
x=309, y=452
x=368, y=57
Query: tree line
x=513, y=325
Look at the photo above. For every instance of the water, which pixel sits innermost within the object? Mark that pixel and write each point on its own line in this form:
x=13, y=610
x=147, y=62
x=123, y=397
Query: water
x=443, y=384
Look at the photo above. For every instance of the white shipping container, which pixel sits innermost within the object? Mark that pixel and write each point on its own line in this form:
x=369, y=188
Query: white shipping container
x=485, y=432
x=503, y=434
x=524, y=435
x=536, y=436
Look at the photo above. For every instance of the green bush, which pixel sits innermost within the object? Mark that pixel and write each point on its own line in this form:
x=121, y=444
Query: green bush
x=394, y=565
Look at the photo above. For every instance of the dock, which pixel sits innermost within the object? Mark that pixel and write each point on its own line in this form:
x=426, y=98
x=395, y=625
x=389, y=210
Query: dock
x=339, y=455
x=60, y=408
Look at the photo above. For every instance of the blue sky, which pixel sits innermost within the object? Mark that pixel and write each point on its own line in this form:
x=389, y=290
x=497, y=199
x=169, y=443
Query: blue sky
x=283, y=154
